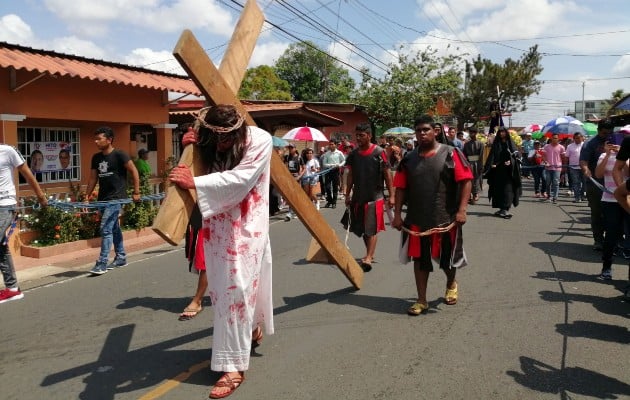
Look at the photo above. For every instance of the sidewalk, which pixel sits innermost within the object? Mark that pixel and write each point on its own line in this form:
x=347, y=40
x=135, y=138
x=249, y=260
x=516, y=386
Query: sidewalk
x=80, y=261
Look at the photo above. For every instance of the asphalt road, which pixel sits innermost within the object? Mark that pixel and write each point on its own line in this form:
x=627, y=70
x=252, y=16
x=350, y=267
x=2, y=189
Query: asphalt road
x=531, y=323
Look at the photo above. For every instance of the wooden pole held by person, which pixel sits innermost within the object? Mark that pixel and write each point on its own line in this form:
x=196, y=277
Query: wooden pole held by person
x=174, y=213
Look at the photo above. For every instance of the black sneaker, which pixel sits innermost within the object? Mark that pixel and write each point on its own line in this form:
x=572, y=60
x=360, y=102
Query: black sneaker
x=606, y=275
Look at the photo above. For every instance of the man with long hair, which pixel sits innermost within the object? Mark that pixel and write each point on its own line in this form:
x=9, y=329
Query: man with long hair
x=233, y=198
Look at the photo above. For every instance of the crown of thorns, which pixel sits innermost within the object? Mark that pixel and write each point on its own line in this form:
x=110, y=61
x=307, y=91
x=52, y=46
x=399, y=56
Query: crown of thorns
x=218, y=129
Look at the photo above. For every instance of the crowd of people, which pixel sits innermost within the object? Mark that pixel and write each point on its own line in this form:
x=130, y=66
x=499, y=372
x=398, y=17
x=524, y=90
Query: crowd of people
x=426, y=183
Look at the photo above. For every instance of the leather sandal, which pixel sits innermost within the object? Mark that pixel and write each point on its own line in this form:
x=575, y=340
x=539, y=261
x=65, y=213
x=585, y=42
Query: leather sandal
x=450, y=297
x=229, y=382
x=417, y=309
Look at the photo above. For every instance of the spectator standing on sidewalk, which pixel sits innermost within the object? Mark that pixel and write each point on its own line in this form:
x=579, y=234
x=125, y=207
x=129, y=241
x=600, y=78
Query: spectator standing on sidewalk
x=575, y=172
x=109, y=168
x=553, y=159
x=332, y=160
x=10, y=160
x=295, y=164
x=535, y=157
x=526, y=147
x=589, y=156
x=142, y=165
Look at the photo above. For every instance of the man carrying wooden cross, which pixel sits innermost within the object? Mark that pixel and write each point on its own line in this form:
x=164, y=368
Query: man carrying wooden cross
x=234, y=201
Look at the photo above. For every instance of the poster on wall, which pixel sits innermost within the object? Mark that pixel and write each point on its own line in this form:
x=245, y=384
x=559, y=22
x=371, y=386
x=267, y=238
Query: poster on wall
x=50, y=156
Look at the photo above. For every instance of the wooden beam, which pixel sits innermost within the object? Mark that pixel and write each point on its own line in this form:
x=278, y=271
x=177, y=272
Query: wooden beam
x=200, y=68
x=236, y=58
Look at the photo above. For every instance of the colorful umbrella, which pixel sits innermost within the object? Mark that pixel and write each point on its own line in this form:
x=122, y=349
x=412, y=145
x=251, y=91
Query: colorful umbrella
x=531, y=128
x=398, y=130
x=278, y=142
x=590, y=128
x=305, y=133
x=564, y=125
x=537, y=135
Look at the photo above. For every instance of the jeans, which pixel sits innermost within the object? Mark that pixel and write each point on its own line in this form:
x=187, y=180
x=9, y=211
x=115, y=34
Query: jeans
x=540, y=185
x=553, y=182
x=577, y=183
x=7, y=214
x=111, y=234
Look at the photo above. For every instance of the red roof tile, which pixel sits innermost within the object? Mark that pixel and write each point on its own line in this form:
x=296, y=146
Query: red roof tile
x=25, y=58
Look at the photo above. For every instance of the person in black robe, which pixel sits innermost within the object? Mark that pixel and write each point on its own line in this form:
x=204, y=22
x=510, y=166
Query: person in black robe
x=503, y=172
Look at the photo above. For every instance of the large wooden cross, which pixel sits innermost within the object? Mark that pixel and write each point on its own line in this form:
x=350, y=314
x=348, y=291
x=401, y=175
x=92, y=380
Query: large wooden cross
x=221, y=87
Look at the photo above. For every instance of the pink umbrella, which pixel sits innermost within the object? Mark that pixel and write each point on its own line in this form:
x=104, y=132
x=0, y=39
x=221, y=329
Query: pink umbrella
x=305, y=133
x=532, y=128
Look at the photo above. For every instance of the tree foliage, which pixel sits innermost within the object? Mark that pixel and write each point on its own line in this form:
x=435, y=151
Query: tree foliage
x=412, y=87
x=313, y=75
x=516, y=80
x=614, y=98
x=263, y=83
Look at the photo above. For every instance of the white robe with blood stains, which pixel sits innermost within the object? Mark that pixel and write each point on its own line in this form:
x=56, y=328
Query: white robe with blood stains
x=235, y=209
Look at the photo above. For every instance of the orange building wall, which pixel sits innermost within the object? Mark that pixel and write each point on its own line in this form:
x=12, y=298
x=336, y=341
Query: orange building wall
x=79, y=103
x=81, y=99
x=351, y=120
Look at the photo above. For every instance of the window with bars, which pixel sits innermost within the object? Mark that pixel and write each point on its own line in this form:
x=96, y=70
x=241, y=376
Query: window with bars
x=52, y=154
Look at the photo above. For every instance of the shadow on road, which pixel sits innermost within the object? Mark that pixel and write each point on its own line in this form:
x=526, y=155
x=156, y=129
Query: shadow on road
x=595, y=330
x=170, y=304
x=119, y=370
x=547, y=379
x=571, y=251
x=606, y=305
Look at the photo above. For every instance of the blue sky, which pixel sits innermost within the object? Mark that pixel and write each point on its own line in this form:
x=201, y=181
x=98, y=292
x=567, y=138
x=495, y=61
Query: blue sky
x=586, y=43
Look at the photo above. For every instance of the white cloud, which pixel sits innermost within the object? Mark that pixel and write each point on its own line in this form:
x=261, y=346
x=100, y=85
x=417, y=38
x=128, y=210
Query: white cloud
x=76, y=46
x=622, y=66
x=92, y=18
x=156, y=60
x=14, y=30
x=437, y=9
x=267, y=53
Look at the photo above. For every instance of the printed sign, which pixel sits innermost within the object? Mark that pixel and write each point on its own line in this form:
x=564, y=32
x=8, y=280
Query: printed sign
x=50, y=156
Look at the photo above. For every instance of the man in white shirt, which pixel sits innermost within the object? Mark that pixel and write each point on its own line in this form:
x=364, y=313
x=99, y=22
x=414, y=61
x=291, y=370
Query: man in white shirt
x=332, y=160
x=575, y=172
x=11, y=159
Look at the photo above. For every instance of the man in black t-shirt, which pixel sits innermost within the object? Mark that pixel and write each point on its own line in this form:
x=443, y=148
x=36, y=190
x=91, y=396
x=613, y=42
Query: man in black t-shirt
x=109, y=168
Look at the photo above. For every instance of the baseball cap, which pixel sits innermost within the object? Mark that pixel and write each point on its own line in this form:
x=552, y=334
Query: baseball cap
x=142, y=152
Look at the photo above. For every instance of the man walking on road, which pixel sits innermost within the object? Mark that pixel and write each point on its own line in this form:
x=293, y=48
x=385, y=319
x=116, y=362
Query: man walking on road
x=11, y=159
x=473, y=150
x=109, y=168
x=368, y=170
x=233, y=198
x=435, y=182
